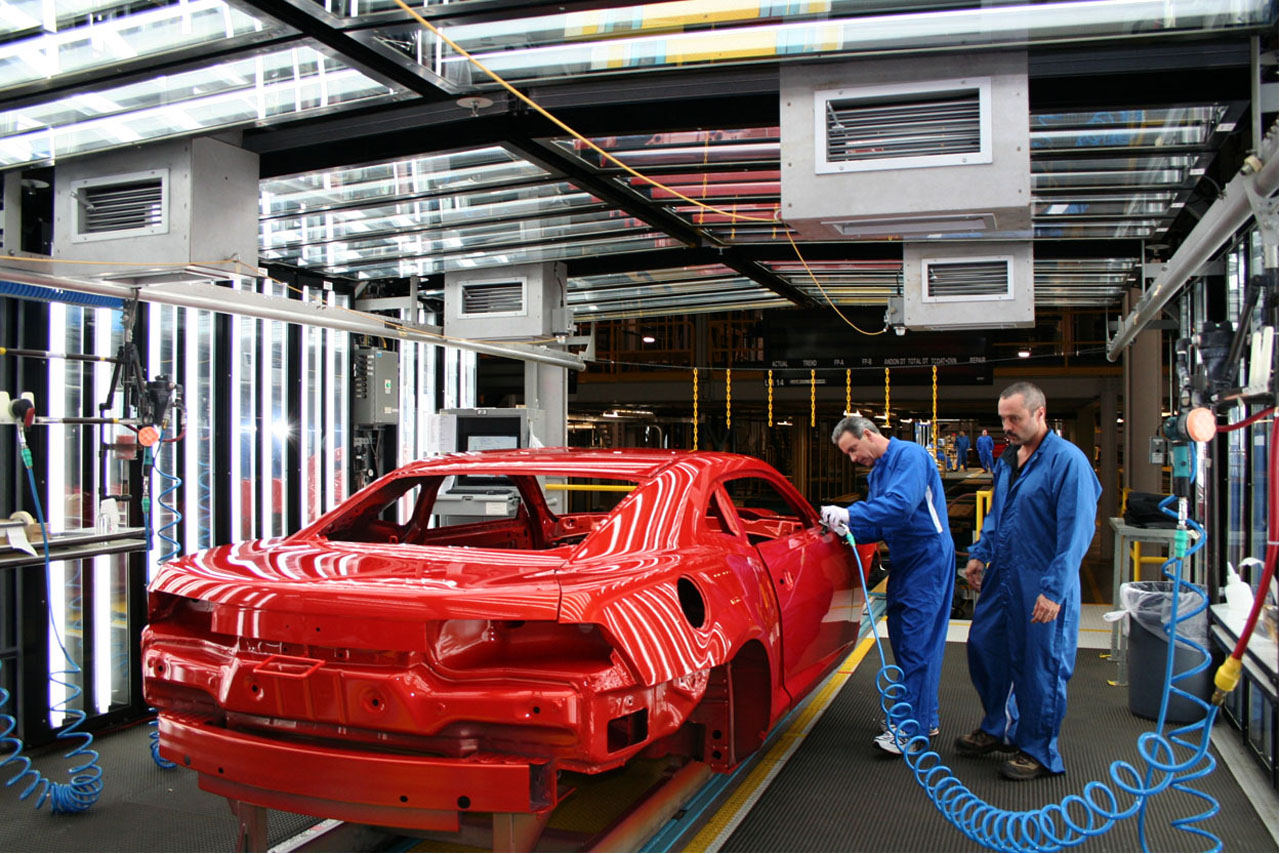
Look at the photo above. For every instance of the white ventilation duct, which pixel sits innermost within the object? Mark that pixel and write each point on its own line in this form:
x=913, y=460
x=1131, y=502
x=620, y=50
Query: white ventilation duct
x=169, y=212
x=508, y=303
x=948, y=285
x=907, y=148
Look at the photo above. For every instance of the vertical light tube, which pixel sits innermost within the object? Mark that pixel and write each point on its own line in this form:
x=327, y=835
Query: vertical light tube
x=452, y=378
x=55, y=503
x=343, y=393
x=193, y=507
x=305, y=418
x=267, y=431
x=467, y=380
x=153, y=366
x=103, y=589
x=331, y=463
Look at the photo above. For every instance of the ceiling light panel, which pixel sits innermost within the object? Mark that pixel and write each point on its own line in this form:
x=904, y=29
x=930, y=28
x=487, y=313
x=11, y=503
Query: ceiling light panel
x=680, y=290
x=643, y=37
x=256, y=90
x=94, y=36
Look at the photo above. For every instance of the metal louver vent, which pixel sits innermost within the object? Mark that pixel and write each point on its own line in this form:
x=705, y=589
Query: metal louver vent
x=127, y=206
x=903, y=126
x=986, y=278
x=493, y=298
x=917, y=126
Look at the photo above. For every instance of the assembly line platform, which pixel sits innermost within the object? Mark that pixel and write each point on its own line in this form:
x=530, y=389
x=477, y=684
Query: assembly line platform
x=819, y=784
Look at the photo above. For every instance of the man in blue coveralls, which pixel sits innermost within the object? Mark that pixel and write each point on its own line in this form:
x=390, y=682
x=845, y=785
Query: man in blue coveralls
x=1022, y=643
x=962, y=451
x=905, y=507
x=986, y=451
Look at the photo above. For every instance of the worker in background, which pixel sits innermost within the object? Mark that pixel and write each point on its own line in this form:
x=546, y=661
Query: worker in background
x=1026, y=567
x=962, y=451
x=905, y=508
x=986, y=452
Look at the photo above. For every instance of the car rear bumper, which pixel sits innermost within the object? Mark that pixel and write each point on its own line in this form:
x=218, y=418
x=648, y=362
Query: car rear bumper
x=363, y=786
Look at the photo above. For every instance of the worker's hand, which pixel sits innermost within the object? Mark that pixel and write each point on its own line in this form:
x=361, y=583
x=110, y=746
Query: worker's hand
x=973, y=573
x=1045, y=611
x=836, y=518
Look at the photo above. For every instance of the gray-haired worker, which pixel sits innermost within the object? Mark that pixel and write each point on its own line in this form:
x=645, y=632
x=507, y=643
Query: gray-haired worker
x=905, y=507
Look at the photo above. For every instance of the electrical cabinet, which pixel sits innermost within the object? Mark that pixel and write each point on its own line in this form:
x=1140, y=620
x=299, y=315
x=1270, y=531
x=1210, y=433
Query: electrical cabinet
x=375, y=387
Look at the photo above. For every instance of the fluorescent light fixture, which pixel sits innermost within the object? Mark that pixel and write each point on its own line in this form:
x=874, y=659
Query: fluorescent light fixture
x=1024, y=354
x=745, y=40
x=648, y=339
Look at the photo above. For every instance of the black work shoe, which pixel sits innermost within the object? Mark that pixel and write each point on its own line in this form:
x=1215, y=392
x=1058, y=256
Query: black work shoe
x=1022, y=767
x=979, y=742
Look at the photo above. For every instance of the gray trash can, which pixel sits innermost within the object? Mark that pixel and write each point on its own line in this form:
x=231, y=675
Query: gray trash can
x=1148, y=604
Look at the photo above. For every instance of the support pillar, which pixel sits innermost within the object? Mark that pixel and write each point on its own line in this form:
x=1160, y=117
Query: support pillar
x=1108, y=465
x=1144, y=380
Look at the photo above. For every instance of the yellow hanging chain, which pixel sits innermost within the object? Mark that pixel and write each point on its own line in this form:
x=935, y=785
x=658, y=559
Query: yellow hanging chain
x=728, y=398
x=848, y=391
x=886, y=397
x=695, y=409
x=935, y=410
x=770, y=393
x=813, y=398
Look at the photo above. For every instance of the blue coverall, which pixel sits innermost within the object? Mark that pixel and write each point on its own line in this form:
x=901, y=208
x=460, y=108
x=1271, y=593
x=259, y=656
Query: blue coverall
x=962, y=451
x=1033, y=541
x=986, y=449
x=906, y=508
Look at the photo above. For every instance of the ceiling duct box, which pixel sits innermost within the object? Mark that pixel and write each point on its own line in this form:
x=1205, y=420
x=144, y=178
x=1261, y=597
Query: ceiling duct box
x=948, y=285
x=171, y=212
x=907, y=148
x=506, y=303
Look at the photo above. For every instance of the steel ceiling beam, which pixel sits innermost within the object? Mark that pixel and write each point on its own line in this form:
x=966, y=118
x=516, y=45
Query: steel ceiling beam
x=602, y=186
x=312, y=21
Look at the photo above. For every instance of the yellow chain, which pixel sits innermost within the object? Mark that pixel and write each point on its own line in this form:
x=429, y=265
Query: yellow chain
x=695, y=409
x=813, y=398
x=936, y=447
x=848, y=391
x=728, y=398
x=886, y=397
x=770, y=392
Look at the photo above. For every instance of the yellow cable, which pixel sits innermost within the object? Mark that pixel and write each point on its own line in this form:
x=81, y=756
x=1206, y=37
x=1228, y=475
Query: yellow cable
x=695, y=409
x=936, y=447
x=824, y=290
x=537, y=108
x=886, y=397
x=813, y=398
x=770, y=392
x=728, y=398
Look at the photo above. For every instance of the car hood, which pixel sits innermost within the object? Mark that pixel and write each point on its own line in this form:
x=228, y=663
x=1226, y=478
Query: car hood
x=370, y=580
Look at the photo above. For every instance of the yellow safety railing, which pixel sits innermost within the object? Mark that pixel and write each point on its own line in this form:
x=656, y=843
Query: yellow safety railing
x=983, y=501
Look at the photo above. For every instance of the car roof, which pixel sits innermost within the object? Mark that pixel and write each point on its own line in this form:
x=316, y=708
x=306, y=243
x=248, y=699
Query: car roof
x=638, y=464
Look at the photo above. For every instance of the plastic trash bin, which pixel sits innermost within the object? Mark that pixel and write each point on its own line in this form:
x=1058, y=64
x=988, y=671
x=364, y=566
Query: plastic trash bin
x=1148, y=604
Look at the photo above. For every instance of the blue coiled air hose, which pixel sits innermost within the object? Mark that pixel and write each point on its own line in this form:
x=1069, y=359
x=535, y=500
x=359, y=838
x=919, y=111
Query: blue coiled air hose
x=85, y=785
x=1078, y=816
x=171, y=549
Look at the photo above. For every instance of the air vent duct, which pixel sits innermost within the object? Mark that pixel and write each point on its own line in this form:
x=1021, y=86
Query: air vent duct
x=492, y=298
x=967, y=280
x=507, y=303
x=121, y=205
x=948, y=285
x=897, y=127
x=907, y=148
x=178, y=211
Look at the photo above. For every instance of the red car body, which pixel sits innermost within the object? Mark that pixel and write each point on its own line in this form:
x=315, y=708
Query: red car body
x=401, y=673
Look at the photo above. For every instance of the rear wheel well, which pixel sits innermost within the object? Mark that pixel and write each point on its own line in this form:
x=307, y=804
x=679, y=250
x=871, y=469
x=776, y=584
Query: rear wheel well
x=733, y=717
x=752, y=698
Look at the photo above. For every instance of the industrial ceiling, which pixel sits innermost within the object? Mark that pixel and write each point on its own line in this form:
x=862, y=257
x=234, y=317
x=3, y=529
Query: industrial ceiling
x=385, y=154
